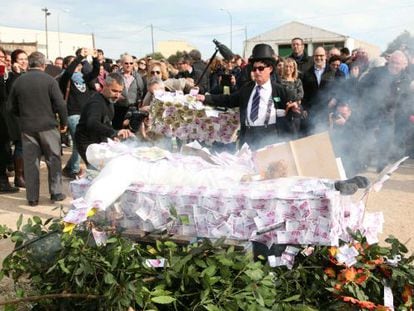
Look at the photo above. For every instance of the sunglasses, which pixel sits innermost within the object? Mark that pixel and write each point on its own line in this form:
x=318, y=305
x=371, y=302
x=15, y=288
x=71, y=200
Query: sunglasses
x=153, y=72
x=260, y=68
x=128, y=63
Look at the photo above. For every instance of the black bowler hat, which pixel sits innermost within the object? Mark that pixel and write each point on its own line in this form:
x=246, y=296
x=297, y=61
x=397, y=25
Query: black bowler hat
x=262, y=52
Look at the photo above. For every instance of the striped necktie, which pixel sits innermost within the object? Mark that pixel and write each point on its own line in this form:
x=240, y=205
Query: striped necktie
x=254, y=112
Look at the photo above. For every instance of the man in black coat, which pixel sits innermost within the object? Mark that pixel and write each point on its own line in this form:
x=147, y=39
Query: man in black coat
x=303, y=61
x=262, y=102
x=5, y=186
x=95, y=124
x=187, y=70
x=318, y=82
x=36, y=99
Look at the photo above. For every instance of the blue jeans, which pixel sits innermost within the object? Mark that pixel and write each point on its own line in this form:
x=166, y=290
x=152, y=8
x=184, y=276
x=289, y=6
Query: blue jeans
x=73, y=163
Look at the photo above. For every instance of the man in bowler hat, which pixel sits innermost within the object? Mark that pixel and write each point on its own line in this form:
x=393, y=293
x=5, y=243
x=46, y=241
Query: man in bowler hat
x=262, y=102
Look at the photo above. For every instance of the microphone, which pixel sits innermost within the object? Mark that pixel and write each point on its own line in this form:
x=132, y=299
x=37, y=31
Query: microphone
x=224, y=50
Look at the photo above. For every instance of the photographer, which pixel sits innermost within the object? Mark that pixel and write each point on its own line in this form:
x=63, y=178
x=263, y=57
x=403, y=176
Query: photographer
x=346, y=137
x=186, y=70
x=227, y=81
x=134, y=120
x=138, y=120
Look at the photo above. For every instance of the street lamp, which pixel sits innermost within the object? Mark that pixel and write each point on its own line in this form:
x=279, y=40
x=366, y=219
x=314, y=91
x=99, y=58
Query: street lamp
x=47, y=13
x=231, y=27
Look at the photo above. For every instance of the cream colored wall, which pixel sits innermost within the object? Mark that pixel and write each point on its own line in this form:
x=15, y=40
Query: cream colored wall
x=69, y=42
x=168, y=48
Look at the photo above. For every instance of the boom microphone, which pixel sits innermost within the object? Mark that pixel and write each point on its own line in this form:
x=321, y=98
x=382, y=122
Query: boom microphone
x=224, y=50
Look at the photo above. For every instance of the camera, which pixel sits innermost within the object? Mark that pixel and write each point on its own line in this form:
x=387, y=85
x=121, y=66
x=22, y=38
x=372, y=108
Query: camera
x=336, y=115
x=135, y=117
x=226, y=79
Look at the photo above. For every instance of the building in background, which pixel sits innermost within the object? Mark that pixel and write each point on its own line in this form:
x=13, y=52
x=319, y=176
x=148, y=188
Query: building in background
x=170, y=47
x=60, y=43
x=280, y=39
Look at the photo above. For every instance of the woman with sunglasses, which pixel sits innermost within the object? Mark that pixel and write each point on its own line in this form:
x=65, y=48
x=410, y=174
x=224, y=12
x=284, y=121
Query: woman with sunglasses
x=159, y=70
x=142, y=67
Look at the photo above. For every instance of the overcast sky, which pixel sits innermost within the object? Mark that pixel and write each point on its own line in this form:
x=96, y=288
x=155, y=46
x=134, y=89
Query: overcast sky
x=124, y=25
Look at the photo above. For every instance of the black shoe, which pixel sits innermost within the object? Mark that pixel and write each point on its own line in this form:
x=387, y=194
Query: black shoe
x=33, y=203
x=57, y=197
x=361, y=181
x=346, y=188
x=67, y=173
x=5, y=187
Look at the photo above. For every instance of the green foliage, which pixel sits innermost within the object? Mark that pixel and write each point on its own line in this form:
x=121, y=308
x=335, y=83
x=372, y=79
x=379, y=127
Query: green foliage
x=173, y=59
x=202, y=276
x=156, y=56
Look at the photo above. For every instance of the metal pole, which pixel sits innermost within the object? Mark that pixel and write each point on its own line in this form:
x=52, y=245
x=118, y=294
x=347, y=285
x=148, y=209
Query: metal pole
x=47, y=13
x=231, y=27
x=93, y=40
x=231, y=30
x=47, y=39
x=58, y=20
x=245, y=41
x=152, y=38
x=59, y=34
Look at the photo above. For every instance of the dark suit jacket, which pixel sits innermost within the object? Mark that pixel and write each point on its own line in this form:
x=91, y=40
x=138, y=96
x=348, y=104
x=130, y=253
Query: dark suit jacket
x=241, y=99
x=36, y=99
x=195, y=75
x=316, y=96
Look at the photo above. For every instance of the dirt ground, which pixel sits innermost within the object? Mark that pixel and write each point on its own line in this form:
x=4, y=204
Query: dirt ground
x=395, y=200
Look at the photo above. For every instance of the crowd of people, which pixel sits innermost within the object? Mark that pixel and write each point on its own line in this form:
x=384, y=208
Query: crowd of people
x=368, y=109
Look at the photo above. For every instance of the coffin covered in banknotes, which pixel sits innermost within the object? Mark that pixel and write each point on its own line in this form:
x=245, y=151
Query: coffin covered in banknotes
x=181, y=116
x=153, y=189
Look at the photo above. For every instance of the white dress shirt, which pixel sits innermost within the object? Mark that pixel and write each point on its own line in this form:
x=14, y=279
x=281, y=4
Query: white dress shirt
x=318, y=74
x=265, y=96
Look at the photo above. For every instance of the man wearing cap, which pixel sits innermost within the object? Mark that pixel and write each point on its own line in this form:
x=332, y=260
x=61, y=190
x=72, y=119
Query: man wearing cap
x=262, y=102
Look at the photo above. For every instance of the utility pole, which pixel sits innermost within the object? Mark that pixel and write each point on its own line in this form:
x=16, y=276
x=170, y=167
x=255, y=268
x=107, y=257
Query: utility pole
x=58, y=27
x=231, y=27
x=58, y=24
x=152, y=38
x=47, y=13
x=245, y=41
x=93, y=40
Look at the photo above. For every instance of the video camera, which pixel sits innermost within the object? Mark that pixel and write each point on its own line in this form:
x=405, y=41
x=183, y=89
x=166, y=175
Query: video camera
x=135, y=117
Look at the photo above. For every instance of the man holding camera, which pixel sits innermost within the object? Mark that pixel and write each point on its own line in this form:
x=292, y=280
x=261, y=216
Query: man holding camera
x=95, y=124
x=186, y=70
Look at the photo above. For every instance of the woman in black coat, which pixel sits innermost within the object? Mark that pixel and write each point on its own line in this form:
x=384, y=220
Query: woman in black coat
x=19, y=66
x=4, y=137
